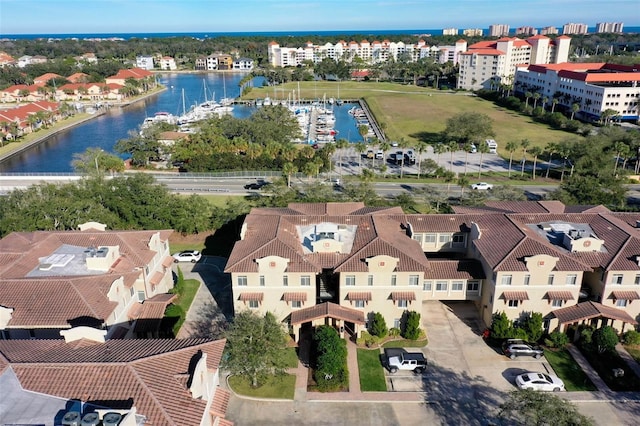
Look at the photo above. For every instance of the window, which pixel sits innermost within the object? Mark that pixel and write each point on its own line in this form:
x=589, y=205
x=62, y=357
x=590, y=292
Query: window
x=403, y=303
x=140, y=295
x=621, y=303
x=637, y=280
x=473, y=286
x=456, y=286
x=458, y=240
x=261, y=280
x=550, y=279
x=417, y=237
x=305, y=280
x=572, y=279
x=506, y=280
x=370, y=280
x=444, y=238
x=557, y=303
x=132, y=291
x=414, y=280
x=430, y=238
x=394, y=279
x=350, y=280
x=296, y=304
x=513, y=303
x=359, y=304
x=617, y=279
x=396, y=323
x=254, y=304
x=441, y=285
x=426, y=285
x=242, y=281
x=285, y=280
x=527, y=279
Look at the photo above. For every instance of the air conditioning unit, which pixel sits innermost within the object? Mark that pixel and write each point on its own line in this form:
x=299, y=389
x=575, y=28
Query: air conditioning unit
x=90, y=419
x=71, y=418
x=111, y=419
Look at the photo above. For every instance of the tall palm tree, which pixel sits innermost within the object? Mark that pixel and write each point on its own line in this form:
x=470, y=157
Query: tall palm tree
x=551, y=149
x=439, y=148
x=535, y=152
x=554, y=102
x=420, y=148
x=622, y=150
x=467, y=149
x=524, y=143
x=360, y=147
x=463, y=182
x=511, y=147
x=574, y=108
x=289, y=169
x=536, y=96
x=483, y=148
x=452, y=147
x=527, y=96
x=341, y=144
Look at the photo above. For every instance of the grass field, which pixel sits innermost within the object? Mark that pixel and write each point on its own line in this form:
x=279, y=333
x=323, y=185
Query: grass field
x=371, y=371
x=420, y=114
x=182, y=303
x=280, y=387
x=569, y=371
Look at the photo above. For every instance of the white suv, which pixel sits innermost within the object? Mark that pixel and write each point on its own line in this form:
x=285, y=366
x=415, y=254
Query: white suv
x=187, y=256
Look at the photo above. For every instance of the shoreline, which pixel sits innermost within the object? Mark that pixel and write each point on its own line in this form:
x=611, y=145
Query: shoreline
x=46, y=134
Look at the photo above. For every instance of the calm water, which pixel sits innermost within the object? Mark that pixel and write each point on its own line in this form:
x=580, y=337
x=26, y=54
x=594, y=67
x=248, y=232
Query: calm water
x=56, y=153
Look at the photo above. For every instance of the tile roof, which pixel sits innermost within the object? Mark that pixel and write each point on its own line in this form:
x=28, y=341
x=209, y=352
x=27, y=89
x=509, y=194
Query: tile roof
x=359, y=295
x=403, y=295
x=246, y=296
x=625, y=295
x=324, y=310
x=117, y=374
x=515, y=295
x=560, y=295
x=294, y=296
x=588, y=310
x=462, y=269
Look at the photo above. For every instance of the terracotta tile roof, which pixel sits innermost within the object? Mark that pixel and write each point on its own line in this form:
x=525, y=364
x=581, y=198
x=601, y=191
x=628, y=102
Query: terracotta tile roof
x=514, y=295
x=117, y=374
x=167, y=261
x=588, y=310
x=359, y=295
x=245, y=297
x=403, y=295
x=625, y=295
x=220, y=402
x=560, y=295
x=324, y=310
x=294, y=297
x=464, y=269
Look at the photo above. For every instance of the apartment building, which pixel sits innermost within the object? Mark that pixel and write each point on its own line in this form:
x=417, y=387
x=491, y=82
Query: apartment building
x=609, y=27
x=450, y=31
x=145, y=62
x=91, y=280
x=549, y=31
x=498, y=30
x=167, y=63
x=574, y=28
x=339, y=263
x=487, y=64
x=526, y=30
x=596, y=87
x=472, y=32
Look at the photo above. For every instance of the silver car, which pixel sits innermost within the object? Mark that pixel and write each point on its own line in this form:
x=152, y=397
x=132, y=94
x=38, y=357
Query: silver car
x=539, y=382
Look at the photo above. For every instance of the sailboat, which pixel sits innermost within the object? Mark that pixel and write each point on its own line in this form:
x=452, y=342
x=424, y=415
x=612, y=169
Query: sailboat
x=339, y=101
x=226, y=104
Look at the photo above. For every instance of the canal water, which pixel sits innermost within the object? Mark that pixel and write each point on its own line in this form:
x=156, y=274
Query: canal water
x=56, y=153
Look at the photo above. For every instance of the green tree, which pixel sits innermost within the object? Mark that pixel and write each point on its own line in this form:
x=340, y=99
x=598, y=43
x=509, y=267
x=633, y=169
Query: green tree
x=463, y=182
x=511, y=147
x=411, y=329
x=605, y=339
x=501, y=326
x=531, y=408
x=536, y=151
x=378, y=325
x=254, y=347
x=331, y=358
x=483, y=148
x=533, y=326
x=94, y=161
x=524, y=143
x=289, y=169
x=469, y=127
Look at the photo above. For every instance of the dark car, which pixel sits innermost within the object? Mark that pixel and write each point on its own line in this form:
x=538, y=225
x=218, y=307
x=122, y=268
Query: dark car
x=515, y=347
x=261, y=183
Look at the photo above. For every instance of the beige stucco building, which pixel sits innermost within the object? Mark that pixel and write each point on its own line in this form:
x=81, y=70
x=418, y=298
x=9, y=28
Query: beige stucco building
x=339, y=263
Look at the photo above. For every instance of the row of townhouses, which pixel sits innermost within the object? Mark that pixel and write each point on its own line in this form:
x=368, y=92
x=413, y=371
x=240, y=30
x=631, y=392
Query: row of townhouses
x=223, y=62
x=342, y=262
x=595, y=87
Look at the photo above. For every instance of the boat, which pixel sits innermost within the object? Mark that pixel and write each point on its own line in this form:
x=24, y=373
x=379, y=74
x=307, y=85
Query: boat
x=159, y=117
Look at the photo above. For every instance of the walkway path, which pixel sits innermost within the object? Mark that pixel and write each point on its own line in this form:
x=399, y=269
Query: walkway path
x=631, y=362
x=589, y=371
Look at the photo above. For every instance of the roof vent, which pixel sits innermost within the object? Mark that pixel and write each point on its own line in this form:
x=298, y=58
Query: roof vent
x=71, y=418
x=111, y=419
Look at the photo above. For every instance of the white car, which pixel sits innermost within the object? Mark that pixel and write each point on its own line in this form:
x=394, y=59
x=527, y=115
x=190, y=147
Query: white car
x=187, y=256
x=482, y=186
x=539, y=382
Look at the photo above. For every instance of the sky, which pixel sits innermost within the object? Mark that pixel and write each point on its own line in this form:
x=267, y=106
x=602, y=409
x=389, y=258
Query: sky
x=144, y=16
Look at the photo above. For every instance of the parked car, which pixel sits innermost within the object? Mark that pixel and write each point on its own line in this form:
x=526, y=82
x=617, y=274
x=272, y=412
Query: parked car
x=370, y=154
x=395, y=359
x=515, y=347
x=473, y=149
x=187, y=256
x=379, y=154
x=539, y=382
x=482, y=186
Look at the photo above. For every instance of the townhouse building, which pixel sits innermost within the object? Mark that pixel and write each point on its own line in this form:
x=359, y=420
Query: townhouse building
x=86, y=281
x=243, y=64
x=488, y=64
x=167, y=63
x=145, y=62
x=25, y=119
x=339, y=263
x=595, y=87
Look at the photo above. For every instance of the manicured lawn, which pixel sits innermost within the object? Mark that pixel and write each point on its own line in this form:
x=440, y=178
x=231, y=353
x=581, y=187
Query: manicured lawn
x=604, y=364
x=178, y=309
x=634, y=351
x=221, y=200
x=403, y=343
x=281, y=387
x=291, y=357
x=371, y=371
x=418, y=113
x=568, y=370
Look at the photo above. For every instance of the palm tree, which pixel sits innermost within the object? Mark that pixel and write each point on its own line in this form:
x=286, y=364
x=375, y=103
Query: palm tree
x=551, y=149
x=467, y=149
x=463, y=182
x=452, y=147
x=439, y=148
x=622, y=150
x=341, y=144
x=511, y=147
x=483, y=148
x=535, y=151
x=360, y=147
x=545, y=101
x=527, y=96
x=536, y=96
x=420, y=148
x=363, y=130
x=574, y=108
x=524, y=143
x=554, y=102
x=288, y=169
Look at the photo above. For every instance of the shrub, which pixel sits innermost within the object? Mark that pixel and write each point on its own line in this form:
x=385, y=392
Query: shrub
x=533, y=327
x=586, y=336
x=631, y=337
x=558, y=340
x=605, y=339
x=394, y=332
x=412, y=325
x=331, y=358
x=378, y=325
x=501, y=326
